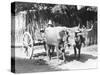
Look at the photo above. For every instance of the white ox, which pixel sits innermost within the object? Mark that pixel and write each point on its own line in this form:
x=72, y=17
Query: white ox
x=55, y=36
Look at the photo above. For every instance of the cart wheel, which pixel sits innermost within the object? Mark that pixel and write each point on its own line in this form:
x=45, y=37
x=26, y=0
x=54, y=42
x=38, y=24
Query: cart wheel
x=28, y=45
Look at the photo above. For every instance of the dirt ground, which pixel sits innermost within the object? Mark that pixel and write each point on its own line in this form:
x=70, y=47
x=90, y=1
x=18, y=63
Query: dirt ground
x=40, y=62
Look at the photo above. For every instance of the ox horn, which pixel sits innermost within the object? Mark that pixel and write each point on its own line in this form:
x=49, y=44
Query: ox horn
x=85, y=29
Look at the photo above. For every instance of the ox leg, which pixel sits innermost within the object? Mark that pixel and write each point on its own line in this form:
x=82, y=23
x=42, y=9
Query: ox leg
x=57, y=50
x=45, y=46
x=75, y=52
x=48, y=52
x=63, y=53
x=79, y=52
x=52, y=48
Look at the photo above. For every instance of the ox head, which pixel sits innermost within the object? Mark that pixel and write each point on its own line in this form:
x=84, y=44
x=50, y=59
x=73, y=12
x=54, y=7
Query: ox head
x=77, y=31
x=63, y=35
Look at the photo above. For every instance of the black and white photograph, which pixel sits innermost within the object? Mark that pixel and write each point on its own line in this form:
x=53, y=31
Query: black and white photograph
x=48, y=37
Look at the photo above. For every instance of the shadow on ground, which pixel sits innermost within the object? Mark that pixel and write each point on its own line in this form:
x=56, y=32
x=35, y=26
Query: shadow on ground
x=83, y=57
x=29, y=66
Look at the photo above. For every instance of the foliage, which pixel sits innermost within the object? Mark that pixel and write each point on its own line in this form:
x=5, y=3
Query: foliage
x=66, y=15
